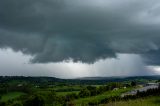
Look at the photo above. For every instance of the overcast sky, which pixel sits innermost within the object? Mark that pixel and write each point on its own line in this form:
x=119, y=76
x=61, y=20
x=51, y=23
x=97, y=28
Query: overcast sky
x=76, y=38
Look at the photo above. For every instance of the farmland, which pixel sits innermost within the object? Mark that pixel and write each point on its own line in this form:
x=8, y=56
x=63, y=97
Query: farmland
x=26, y=91
x=11, y=95
x=149, y=101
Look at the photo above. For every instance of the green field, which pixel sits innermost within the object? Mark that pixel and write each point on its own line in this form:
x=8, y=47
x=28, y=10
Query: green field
x=150, y=101
x=11, y=95
x=65, y=93
x=100, y=97
x=48, y=92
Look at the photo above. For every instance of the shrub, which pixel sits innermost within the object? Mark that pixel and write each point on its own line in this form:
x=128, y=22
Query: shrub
x=17, y=104
x=71, y=96
x=35, y=100
x=3, y=104
x=133, y=83
x=84, y=93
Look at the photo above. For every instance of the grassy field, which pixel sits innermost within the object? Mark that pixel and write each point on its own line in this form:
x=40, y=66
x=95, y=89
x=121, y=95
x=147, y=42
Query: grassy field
x=65, y=93
x=60, y=91
x=74, y=87
x=150, y=101
x=11, y=95
x=97, y=98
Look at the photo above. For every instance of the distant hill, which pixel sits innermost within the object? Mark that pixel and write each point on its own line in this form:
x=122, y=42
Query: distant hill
x=82, y=80
x=98, y=78
x=119, y=78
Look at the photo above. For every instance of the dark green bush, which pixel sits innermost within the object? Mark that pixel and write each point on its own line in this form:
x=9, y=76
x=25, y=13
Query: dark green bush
x=35, y=100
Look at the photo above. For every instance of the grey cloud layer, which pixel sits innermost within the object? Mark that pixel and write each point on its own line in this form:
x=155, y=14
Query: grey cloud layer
x=58, y=30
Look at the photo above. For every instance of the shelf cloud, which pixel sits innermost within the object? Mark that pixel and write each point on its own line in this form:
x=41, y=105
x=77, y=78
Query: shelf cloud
x=81, y=31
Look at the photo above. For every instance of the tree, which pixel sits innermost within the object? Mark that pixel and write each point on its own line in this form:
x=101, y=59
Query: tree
x=35, y=100
x=71, y=96
x=50, y=97
x=3, y=104
x=84, y=93
x=133, y=83
x=17, y=104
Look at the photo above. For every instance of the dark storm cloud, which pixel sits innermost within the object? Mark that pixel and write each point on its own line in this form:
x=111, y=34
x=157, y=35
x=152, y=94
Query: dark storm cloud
x=58, y=30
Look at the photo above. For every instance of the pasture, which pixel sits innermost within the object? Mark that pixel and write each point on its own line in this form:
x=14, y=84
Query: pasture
x=11, y=95
x=149, y=101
